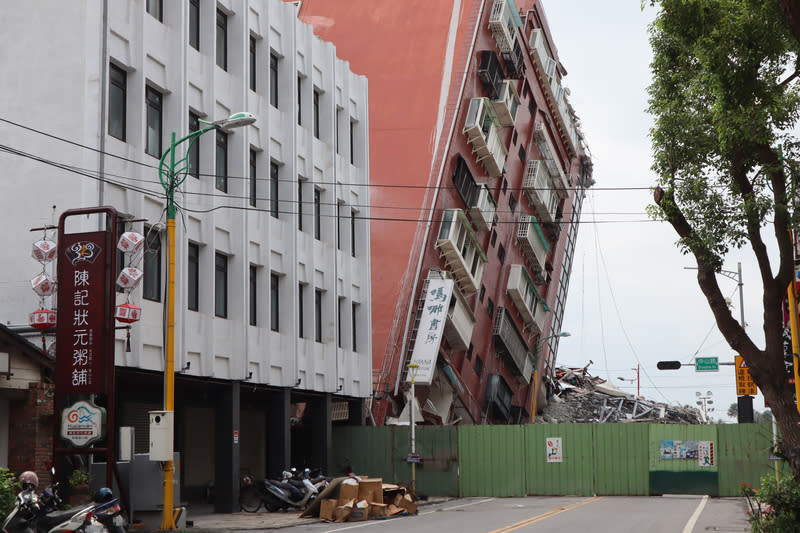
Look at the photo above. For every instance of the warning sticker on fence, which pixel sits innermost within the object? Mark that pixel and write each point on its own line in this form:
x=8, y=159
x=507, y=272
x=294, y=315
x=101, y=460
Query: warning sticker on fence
x=554, y=451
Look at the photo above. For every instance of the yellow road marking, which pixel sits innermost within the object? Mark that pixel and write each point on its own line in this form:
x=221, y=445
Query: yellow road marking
x=544, y=516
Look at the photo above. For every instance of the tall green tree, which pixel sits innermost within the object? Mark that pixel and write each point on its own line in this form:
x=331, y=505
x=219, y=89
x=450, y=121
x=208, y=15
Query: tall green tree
x=725, y=100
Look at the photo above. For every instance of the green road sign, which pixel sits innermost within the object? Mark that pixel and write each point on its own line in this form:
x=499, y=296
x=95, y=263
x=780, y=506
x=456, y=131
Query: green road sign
x=706, y=364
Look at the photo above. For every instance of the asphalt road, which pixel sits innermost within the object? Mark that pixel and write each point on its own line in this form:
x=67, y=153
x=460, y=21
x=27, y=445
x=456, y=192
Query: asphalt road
x=670, y=514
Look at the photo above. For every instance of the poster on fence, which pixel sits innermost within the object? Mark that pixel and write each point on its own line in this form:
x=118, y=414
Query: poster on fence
x=554, y=452
x=706, y=453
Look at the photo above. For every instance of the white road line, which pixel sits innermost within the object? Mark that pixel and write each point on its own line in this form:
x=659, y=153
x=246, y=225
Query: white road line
x=460, y=506
x=693, y=520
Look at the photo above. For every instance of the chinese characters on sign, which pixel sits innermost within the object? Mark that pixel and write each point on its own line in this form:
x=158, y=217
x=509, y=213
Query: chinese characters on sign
x=744, y=382
x=706, y=451
x=554, y=450
x=431, y=326
x=81, y=297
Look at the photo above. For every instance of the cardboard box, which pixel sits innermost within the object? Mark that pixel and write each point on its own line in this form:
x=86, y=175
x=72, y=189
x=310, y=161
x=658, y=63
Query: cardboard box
x=360, y=512
x=342, y=513
x=326, y=509
x=407, y=503
x=371, y=489
x=347, y=491
x=377, y=510
x=392, y=510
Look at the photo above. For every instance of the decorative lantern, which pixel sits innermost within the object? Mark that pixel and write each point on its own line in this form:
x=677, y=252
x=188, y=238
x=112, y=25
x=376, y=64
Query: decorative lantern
x=44, y=251
x=128, y=313
x=129, y=278
x=130, y=242
x=43, y=285
x=43, y=318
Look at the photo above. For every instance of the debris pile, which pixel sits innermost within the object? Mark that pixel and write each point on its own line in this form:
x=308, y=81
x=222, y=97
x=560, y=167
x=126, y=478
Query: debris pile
x=577, y=397
x=354, y=499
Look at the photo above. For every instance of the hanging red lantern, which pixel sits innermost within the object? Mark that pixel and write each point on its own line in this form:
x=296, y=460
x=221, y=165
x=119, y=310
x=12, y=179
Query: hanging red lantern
x=128, y=313
x=43, y=318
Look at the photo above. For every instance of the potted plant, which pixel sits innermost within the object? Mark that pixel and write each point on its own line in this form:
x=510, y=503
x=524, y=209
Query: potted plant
x=79, y=484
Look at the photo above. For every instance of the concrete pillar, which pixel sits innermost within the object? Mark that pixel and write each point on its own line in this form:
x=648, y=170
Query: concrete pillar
x=279, y=434
x=357, y=416
x=322, y=432
x=226, y=455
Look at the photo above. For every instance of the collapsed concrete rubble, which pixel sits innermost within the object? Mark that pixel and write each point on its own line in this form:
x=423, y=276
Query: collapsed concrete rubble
x=574, y=396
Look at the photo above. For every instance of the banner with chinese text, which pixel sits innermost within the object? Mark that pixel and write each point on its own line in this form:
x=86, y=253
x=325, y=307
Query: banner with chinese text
x=431, y=327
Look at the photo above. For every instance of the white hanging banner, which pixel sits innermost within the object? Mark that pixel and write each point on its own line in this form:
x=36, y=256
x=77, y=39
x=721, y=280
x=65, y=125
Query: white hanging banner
x=431, y=326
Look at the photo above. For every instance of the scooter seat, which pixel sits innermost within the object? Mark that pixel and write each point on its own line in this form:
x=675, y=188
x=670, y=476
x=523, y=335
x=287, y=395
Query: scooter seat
x=52, y=519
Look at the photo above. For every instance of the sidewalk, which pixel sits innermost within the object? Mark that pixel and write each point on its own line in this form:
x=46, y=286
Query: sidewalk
x=203, y=519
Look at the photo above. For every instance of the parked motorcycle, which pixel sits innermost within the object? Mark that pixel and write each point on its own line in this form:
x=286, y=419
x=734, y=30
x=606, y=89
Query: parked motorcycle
x=33, y=513
x=292, y=491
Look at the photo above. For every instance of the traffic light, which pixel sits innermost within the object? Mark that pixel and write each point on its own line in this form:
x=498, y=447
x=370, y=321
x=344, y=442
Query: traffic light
x=668, y=365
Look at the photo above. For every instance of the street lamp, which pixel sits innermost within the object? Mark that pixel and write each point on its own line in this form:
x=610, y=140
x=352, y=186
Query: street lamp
x=705, y=402
x=536, y=369
x=636, y=379
x=412, y=455
x=172, y=174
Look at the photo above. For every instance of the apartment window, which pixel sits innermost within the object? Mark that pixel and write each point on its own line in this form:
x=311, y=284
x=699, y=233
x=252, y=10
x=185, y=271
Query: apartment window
x=273, y=80
x=522, y=154
x=299, y=204
x=501, y=254
x=514, y=137
x=512, y=202
x=194, y=24
x=469, y=352
x=156, y=9
x=252, y=63
x=221, y=181
x=253, y=295
x=340, y=322
x=151, y=289
x=194, y=151
x=317, y=214
x=316, y=112
x=317, y=315
x=505, y=184
x=338, y=226
x=354, y=318
x=153, y=101
x=493, y=238
x=352, y=144
x=482, y=294
x=478, y=365
x=274, y=298
x=301, y=295
x=299, y=100
x=222, y=40
x=336, y=128
x=490, y=307
x=221, y=285
x=273, y=190
x=193, y=277
x=353, y=232
x=117, y=98
x=253, y=181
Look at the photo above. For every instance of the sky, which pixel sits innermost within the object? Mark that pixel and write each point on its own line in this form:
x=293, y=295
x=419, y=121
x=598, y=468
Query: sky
x=632, y=301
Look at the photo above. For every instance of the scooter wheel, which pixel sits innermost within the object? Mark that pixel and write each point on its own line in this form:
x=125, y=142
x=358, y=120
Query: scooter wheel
x=249, y=499
x=272, y=504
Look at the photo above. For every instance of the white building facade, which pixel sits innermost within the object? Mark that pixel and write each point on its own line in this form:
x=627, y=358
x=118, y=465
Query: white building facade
x=272, y=240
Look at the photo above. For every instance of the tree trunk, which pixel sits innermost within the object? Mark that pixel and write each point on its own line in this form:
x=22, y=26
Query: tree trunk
x=784, y=410
x=791, y=10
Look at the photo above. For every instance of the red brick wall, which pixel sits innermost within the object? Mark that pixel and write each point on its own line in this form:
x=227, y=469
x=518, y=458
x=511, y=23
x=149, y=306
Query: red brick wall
x=30, y=432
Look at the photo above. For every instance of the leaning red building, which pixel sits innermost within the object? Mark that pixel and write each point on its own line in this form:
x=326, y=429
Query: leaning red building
x=478, y=175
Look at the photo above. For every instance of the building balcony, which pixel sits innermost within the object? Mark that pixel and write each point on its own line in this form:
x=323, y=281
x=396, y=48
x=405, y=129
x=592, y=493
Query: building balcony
x=462, y=252
x=482, y=131
x=491, y=73
x=532, y=243
x=503, y=22
x=498, y=397
x=551, y=159
x=459, y=323
x=545, y=68
x=506, y=104
x=482, y=208
x=538, y=187
x=508, y=340
x=515, y=64
x=523, y=293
